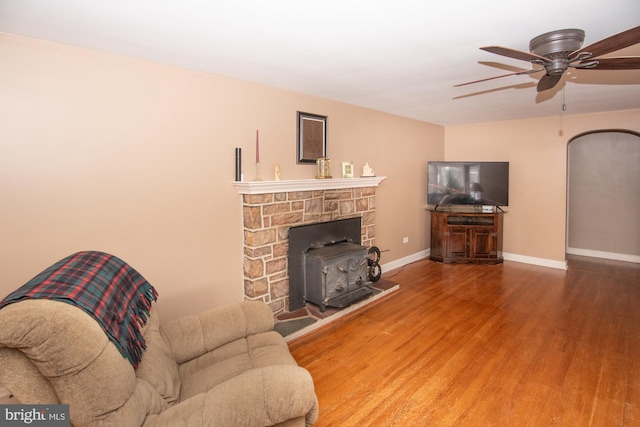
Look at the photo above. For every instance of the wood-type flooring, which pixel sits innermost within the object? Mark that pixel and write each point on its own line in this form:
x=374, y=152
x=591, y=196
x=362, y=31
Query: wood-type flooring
x=485, y=345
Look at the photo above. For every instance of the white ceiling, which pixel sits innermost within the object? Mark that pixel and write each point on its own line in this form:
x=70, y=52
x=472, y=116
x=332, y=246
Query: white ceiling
x=401, y=57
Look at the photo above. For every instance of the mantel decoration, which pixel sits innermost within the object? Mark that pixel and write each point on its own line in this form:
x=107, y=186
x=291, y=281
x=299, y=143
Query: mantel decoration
x=276, y=172
x=257, y=177
x=367, y=171
x=312, y=137
x=238, y=164
x=324, y=168
x=347, y=169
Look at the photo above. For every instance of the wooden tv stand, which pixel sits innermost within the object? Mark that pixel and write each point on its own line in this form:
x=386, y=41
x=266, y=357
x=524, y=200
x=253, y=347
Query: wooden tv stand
x=466, y=237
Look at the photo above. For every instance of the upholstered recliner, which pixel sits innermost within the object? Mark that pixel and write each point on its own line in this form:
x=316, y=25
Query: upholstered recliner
x=223, y=367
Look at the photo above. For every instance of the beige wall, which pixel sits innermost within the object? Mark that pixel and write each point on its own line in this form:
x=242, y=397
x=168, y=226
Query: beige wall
x=104, y=152
x=537, y=152
x=134, y=158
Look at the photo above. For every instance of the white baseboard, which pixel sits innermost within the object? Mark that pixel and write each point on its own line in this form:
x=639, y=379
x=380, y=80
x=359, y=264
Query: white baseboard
x=543, y=262
x=404, y=261
x=605, y=255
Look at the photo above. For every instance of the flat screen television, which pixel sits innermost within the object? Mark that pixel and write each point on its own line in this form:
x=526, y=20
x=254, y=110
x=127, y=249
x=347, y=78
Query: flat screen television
x=468, y=183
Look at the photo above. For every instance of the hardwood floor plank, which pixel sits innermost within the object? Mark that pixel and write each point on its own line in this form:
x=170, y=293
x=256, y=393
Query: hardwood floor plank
x=467, y=345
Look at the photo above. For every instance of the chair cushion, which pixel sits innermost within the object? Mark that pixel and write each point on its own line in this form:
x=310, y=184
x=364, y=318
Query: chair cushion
x=211, y=369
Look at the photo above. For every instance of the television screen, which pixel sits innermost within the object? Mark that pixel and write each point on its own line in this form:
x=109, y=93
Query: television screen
x=468, y=183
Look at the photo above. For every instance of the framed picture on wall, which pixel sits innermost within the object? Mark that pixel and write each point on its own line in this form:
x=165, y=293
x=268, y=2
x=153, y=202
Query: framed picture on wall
x=312, y=137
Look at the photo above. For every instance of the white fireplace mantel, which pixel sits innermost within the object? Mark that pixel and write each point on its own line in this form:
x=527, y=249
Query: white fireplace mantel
x=286, y=186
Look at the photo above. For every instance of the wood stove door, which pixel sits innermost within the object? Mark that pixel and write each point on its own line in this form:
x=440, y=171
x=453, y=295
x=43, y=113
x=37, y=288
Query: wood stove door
x=333, y=272
x=345, y=274
x=357, y=276
x=336, y=279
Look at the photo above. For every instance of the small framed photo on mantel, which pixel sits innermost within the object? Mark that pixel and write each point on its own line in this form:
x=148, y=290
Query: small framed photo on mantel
x=312, y=137
x=347, y=169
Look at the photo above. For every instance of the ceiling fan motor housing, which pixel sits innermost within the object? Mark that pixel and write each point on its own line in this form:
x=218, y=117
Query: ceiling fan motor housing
x=557, y=45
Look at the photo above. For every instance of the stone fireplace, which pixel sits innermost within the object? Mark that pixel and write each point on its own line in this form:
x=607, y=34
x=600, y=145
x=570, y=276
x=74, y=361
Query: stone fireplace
x=271, y=208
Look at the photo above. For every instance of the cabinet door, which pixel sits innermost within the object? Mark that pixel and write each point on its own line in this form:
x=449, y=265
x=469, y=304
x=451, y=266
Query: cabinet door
x=456, y=242
x=438, y=232
x=482, y=242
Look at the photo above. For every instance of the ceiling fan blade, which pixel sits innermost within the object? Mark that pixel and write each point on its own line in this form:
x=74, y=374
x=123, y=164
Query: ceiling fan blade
x=499, y=77
x=620, y=63
x=515, y=54
x=547, y=81
x=610, y=44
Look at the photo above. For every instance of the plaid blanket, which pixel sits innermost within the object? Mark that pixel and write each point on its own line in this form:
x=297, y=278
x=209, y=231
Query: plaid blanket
x=106, y=288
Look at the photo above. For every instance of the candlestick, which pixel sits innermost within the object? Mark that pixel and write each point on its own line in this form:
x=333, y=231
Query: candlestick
x=257, y=177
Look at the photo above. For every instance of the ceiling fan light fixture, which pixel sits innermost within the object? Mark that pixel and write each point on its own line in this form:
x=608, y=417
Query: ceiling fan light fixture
x=557, y=66
x=557, y=42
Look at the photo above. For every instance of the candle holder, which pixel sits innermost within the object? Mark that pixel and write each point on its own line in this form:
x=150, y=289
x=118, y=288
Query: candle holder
x=257, y=176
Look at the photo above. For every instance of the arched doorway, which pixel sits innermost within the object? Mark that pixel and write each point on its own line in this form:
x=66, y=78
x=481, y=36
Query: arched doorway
x=603, y=195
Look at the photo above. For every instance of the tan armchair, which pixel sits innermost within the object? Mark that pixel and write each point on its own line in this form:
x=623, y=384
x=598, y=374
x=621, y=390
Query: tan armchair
x=224, y=367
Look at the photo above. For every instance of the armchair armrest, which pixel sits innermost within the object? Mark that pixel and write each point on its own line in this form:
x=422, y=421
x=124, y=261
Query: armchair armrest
x=193, y=336
x=259, y=397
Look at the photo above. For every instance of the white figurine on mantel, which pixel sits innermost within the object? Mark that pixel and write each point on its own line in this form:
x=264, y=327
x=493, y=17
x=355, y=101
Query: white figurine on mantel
x=276, y=173
x=367, y=171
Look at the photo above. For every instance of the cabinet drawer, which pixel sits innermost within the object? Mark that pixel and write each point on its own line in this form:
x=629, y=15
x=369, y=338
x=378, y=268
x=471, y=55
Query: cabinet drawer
x=470, y=220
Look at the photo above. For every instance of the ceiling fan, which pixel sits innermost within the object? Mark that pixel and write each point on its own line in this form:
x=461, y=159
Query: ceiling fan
x=556, y=51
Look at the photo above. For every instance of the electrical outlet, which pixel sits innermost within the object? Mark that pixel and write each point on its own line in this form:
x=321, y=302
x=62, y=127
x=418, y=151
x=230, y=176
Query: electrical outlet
x=405, y=240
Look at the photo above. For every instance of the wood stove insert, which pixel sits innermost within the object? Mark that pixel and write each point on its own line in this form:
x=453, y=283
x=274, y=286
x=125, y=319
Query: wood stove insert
x=336, y=275
x=327, y=265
